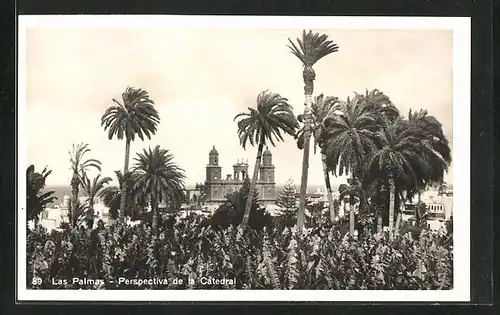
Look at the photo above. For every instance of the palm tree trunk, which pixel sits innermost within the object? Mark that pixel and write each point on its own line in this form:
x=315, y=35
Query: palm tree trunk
x=248, y=206
x=74, y=198
x=154, y=219
x=91, y=211
x=417, y=208
x=328, y=189
x=392, y=194
x=379, y=222
x=398, y=224
x=123, y=196
x=301, y=215
x=399, y=216
x=351, y=216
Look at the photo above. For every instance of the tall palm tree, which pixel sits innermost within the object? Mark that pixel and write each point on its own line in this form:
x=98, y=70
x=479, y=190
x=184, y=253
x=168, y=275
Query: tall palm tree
x=430, y=131
x=348, y=137
x=36, y=200
x=92, y=190
x=322, y=108
x=309, y=50
x=265, y=124
x=158, y=178
x=348, y=134
x=79, y=166
x=135, y=115
x=380, y=104
x=404, y=156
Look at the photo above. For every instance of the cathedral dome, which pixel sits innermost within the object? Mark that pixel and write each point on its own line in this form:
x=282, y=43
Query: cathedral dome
x=213, y=151
x=267, y=152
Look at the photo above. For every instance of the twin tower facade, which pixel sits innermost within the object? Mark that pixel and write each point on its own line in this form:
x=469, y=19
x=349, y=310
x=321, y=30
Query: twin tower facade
x=218, y=187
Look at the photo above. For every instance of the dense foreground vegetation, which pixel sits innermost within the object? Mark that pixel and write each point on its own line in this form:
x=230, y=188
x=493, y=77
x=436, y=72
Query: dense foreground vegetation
x=323, y=258
x=390, y=158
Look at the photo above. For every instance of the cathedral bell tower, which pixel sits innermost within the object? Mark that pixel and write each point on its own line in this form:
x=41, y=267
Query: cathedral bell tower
x=240, y=170
x=214, y=171
x=266, y=178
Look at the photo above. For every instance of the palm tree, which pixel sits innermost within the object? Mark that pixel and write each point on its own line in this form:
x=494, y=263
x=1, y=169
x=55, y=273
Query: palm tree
x=265, y=124
x=347, y=134
x=322, y=108
x=348, y=137
x=136, y=115
x=353, y=192
x=380, y=104
x=158, y=178
x=81, y=213
x=92, y=190
x=79, y=166
x=437, y=149
x=404, y=156
x=111, y=197
x=36, y=201
x=309, y=50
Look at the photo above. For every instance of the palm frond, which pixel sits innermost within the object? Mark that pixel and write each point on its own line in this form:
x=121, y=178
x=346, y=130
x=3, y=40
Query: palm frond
x=312, y=47
x=268, y=122
x=135, y=116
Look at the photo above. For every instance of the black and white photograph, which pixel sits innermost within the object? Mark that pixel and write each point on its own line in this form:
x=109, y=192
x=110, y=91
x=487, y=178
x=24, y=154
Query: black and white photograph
x=252, y=158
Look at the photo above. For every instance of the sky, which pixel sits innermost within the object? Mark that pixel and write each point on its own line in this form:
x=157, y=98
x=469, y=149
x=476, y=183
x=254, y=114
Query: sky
x=200, y=79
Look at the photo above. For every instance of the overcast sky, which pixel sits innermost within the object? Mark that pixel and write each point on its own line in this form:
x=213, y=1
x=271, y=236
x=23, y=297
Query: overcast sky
x=200, y=79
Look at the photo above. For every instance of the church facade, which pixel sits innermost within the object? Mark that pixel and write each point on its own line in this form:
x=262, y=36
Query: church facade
x=217, y=187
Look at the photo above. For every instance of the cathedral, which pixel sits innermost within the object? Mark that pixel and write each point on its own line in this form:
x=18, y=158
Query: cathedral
x=217, y=187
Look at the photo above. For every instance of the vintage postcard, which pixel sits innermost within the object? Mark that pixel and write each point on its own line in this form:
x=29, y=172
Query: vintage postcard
x=251, y=158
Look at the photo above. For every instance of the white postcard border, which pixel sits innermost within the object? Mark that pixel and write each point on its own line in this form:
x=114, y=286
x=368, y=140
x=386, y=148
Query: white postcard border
x=461, y=153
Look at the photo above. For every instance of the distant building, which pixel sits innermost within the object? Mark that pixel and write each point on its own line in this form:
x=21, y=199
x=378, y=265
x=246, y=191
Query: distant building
x=439, y=205
x=217, y=188
x=192, y=196
x=315, y=197
x=52, y=217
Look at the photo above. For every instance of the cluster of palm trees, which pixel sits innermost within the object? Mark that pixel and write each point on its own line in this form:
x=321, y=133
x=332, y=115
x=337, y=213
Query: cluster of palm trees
x=154, y=178
x=388, y=157
x=364, y=137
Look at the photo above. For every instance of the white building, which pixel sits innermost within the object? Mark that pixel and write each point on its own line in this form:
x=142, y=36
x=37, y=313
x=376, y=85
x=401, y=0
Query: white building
x=51, y=218
x=439, y=206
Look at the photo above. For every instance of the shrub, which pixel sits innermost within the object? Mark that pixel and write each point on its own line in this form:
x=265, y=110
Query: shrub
x=325, y=258
x=231, y=212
